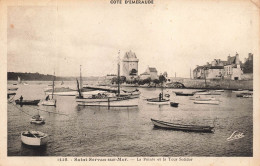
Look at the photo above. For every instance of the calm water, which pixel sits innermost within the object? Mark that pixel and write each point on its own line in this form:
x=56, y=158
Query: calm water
x=94, y=131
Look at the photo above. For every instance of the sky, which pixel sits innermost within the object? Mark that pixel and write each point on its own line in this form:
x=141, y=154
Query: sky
x=173, y=36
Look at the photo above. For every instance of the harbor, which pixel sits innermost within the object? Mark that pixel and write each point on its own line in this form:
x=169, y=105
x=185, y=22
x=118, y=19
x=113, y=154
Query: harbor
x=129, y=131
x=135, y=82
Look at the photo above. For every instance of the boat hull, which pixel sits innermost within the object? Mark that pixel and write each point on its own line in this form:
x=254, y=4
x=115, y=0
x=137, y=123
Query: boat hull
x=49, y=102
x=12, y=89
x=70, y=93
x=156, y=101
x=207, y=93
x=117, y=103
x=183, y=94
x=27, y=102
x=34, y=141
x=172, y=126
x=212, y=102
x=174, y=104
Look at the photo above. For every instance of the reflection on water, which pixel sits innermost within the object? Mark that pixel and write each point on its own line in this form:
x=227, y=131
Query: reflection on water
x=99, y=131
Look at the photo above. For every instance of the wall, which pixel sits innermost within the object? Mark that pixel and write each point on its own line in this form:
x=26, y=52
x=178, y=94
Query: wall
x=218, y=84
x=247, y=76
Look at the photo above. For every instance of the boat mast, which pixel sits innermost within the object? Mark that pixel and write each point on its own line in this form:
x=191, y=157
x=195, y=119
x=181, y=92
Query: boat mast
x=80, y=79
x=80, y=96
x=53, y=86
x=118, y=74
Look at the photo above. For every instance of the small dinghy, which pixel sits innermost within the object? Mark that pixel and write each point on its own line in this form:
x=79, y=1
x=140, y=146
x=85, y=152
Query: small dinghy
x=12, y=89
x=183, y=94
x=173, y=104
x=244, y=94
x=27, y=102
x=248, y=96
x=183, y=127
x=207, y=93
x=157, y=101
x=34, y=138
x=222, y=90
x=198, y=98
x=167, y=95
x=241, y=91
x=48, y=101
x=37, y=119
x=9, y=94
x=212, y=102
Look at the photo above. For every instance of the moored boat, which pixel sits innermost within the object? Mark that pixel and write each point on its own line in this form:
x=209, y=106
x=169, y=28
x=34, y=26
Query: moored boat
x=199, y=98
x=50, y=101
x=10, y=94
x=37, y=119
x=244, y=94
x=182, y=127
x=109, y=98
x=248, y=96
x=61, y=92
x=173, y=104
x=207, y=93
x=212, y=102
x=241, y=91
x=34, y=138
x=115, y=103
x=220, y=90
x=167, y=95
x=183, y=94
x=157, y=101
x=27, y=102
x=12, y=89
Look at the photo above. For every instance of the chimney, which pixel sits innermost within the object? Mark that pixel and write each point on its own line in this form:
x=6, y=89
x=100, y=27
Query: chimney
x=228, y=57
x=237, y=58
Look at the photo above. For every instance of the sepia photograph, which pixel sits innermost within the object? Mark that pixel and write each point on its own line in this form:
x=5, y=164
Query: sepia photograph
x=130, y=80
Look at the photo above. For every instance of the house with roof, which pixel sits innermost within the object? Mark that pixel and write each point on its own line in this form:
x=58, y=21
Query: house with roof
x=198, y=72
x=150, y=72
x=218, y=69
x=232, y=69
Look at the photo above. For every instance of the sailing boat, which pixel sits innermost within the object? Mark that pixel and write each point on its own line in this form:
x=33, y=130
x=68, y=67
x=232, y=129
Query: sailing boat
x=48, y=101
x=107, y=99
x=19, y=80
x=160, y=100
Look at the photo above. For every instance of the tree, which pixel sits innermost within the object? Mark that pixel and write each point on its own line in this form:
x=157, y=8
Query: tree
x=133, y=72
x=147, y=80
x=162, y=79
x=248, y=66
x=156, y=81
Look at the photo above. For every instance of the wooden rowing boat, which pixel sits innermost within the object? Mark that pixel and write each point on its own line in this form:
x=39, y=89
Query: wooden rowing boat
x=220, y=90
x=156, y=101
x=183, y=127
x=173, y=104
x=34, y=138
x=183, y=94
x=27, y=102
x=212, y=102
x=37, y=119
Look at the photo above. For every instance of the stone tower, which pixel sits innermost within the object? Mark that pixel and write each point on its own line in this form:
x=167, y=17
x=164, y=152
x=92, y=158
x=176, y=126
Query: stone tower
x=130, y=64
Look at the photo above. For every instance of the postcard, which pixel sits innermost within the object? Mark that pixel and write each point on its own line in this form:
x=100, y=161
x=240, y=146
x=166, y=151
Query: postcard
x=129, y=82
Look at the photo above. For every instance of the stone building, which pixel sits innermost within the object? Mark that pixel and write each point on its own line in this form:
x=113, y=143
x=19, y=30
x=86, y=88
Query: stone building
x=232, y=70
x=130, y=65
x=150, y=72
x=218, y=69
